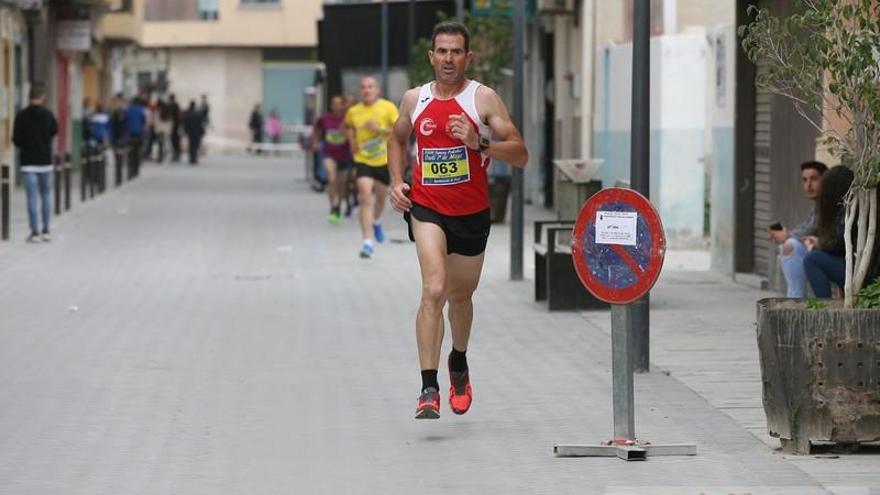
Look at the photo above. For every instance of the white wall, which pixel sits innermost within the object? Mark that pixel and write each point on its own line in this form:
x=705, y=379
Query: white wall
x=231, y=77
x=679, y=85
x=722, y=111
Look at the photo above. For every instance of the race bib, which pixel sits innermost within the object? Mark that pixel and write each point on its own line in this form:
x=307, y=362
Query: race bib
x=334, y=136
x=373, y=148
x=445, y=166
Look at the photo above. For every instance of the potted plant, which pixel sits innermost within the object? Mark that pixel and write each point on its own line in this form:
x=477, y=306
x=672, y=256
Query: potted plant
x=820, y=360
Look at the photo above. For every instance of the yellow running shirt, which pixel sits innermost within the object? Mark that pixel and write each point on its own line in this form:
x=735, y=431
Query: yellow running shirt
x=372, y=149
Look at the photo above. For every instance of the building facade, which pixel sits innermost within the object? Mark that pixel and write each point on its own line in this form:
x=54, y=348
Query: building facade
x=235, y=52
x=692, y=98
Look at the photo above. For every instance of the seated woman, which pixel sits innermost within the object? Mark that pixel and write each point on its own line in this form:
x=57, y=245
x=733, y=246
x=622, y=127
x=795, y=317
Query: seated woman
x=825, y=263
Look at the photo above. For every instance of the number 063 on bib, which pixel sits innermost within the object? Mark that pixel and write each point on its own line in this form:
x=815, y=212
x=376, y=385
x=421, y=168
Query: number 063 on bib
x=445, y=166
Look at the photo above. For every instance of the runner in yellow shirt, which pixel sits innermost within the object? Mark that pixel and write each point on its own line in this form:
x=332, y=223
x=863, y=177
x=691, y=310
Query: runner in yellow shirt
x=368, y=125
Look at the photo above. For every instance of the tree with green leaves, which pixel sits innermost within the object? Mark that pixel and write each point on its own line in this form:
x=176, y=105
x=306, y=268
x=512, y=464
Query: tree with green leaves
x=826, y=60
x=491, y=42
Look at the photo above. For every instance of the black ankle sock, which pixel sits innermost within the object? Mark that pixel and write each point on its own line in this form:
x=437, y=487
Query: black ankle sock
x=458, y=360
x=429, y=380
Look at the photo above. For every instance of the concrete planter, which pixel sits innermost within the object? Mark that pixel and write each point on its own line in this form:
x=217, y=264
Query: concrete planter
x=821, y=373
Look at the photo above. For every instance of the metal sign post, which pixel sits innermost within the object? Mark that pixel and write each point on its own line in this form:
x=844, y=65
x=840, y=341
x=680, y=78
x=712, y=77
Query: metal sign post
x=517, y=180
x=618, y=248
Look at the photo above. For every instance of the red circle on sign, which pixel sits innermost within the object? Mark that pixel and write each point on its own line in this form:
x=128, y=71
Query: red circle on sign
x=651, y=246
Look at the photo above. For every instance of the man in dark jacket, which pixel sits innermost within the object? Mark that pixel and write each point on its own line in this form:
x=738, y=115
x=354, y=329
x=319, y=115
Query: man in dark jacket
x=135, y=126
x=255, y=124
x=193, y=124
x=34, y=129
x=174, y=109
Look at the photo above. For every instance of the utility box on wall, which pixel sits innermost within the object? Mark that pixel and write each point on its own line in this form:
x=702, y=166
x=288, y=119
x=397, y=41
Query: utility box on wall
x=574, y=185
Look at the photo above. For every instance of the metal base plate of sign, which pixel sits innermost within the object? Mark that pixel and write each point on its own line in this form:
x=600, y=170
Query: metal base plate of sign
x=618, y=248
x=635, y=452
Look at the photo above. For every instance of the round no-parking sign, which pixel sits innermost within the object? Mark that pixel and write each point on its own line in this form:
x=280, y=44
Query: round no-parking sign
x=618, y=245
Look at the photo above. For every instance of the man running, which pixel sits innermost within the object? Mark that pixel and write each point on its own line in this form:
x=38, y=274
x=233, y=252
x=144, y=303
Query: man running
x=329, y=131
x=368, y=125
x=447, y=206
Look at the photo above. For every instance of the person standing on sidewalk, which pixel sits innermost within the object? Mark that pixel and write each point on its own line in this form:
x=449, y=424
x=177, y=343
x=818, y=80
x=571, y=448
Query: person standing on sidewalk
x=135, y=126
x=274, y=128
x=34, y=129
x=163, y=126
x=329, y=134
x=368, y=125
x=205, y=111
x=255, y=124
x=193, y=125
x=174, y=109
x=447, y=205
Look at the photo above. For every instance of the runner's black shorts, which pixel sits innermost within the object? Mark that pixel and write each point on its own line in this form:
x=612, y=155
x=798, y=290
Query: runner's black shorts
x=379, y=173
x=465, y=235
x=343, y=166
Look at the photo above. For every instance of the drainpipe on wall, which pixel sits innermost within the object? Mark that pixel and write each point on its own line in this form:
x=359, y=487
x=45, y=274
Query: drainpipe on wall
x=588, y=41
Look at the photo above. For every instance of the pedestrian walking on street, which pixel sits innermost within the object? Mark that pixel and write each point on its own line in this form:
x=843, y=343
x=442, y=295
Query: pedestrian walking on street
x=328, y=136
x=205, y=111
x=174, y=110
x=118, y=133
x=447, y=205
x=99, y=125
x=164, y=121
x=135, y=127
x=34, y=129
x=151, y=106
x=368, y=125
x=255, y=124
x=274, y=128
x=193, y=125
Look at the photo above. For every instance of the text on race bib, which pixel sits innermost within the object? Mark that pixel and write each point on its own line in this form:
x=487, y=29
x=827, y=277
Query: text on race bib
x=445, y=166
x=334, y=136
x=373, y=147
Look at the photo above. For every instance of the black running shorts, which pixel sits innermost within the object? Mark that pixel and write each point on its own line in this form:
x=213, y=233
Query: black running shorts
x=465, y=235
x=379, y=173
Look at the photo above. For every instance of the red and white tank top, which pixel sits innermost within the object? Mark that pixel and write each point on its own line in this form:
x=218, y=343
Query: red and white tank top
x=448, y=177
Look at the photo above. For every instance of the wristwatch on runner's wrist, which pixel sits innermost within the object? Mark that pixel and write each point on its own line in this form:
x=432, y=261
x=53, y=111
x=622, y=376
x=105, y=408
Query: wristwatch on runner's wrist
x=484, y=144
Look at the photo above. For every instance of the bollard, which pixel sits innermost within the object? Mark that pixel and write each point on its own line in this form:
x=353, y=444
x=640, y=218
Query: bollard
x=66, y=166
x=57, y=179
x=102, y=170
x=93, y=173
x=4, y=201
x=117, y=164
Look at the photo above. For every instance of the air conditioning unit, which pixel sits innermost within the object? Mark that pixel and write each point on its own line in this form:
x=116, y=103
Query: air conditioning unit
x=556, y=7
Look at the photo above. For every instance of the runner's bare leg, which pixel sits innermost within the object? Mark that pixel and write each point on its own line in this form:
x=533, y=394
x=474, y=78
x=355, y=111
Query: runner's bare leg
x=431, y=251
x=462, y=278
x=365, y=203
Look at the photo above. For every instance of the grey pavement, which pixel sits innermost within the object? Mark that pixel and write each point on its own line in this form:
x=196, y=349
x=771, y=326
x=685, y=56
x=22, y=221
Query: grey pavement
x=204, y=330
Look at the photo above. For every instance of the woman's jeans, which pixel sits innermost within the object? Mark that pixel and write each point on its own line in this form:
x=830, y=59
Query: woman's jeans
x=793, y=268
x=822, y=269
x=38, y=184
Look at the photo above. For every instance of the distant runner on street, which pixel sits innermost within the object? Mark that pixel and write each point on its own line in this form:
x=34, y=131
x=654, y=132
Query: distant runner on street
x=329, y=136
x=447, y=205
x=368, y=125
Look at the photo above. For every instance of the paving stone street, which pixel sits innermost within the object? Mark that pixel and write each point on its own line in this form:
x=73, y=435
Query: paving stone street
x=204, y=330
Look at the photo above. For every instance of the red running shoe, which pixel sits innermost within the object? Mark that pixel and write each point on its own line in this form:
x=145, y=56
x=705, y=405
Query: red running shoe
x=460, y=392
x=429, y=404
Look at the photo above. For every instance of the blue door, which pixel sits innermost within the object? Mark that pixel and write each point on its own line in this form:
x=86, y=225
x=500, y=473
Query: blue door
x=284, y=87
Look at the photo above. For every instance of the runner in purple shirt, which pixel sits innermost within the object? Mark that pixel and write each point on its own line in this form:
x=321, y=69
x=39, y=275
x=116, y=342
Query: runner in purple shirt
x=329, y=133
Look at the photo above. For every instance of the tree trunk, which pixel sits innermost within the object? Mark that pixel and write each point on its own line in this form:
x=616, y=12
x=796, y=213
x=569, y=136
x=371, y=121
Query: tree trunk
x=868, y=209
x=851, y=209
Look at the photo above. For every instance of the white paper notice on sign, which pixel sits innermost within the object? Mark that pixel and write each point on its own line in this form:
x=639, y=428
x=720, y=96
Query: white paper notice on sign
x=616, y=227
